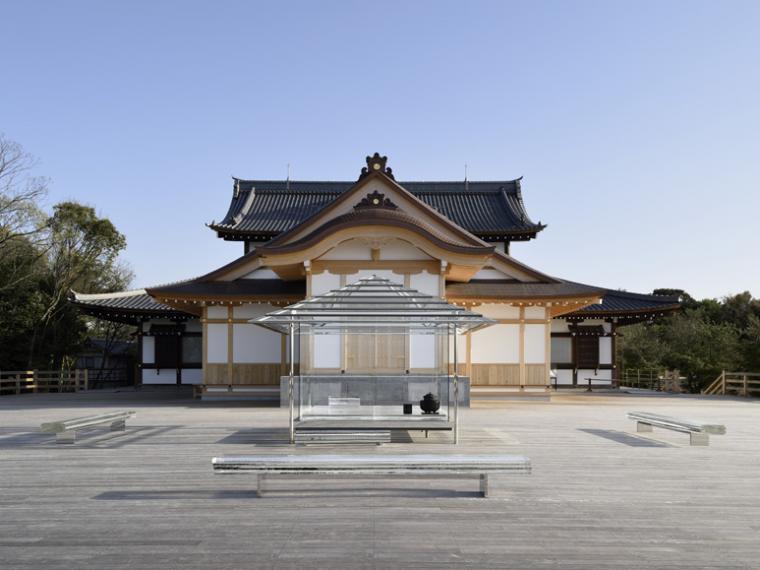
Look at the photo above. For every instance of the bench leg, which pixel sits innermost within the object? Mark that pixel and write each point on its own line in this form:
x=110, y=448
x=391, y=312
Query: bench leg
x=484, y=484
x=66, y=437
x=260, y=485
x=118, y=426
x=699, y=439
x=642, y=427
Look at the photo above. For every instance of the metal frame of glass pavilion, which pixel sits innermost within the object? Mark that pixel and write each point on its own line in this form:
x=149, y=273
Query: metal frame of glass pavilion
x=367, y=353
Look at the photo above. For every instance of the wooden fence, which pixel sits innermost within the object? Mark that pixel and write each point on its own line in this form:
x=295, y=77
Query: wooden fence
x=740, y=383
x=34, y=381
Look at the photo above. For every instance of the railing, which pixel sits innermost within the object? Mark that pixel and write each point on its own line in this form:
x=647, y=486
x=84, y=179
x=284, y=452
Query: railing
x=646, y=379
x=34, y=381
x=740, y=383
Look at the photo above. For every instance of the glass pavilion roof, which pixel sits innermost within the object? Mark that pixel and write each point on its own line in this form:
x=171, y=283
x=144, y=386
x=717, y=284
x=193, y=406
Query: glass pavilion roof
x=373, y=305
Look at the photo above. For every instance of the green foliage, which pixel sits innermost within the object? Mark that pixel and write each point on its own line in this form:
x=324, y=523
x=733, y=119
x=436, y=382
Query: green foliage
x=43, y=258
x=704, y=338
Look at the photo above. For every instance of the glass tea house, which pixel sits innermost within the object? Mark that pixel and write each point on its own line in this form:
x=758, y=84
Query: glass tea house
x=373, y=354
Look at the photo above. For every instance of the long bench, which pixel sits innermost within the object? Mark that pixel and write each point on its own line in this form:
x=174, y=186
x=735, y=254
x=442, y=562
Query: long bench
x=66, y=430
x=699, y=433
x=373, y=466
x=378, y=437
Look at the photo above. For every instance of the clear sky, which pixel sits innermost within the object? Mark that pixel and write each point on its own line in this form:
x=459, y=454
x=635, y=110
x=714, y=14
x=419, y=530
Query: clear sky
x=636, y=125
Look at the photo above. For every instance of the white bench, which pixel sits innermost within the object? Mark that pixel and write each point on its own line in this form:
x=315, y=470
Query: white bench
x=373, y=466
x=66, y=431
x=699, y=433
x=306, y=437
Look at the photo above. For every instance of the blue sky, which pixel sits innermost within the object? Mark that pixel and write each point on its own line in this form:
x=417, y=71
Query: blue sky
x=636, y=125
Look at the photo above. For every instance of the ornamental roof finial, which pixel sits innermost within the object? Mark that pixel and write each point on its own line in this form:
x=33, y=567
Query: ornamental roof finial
x=376, y=163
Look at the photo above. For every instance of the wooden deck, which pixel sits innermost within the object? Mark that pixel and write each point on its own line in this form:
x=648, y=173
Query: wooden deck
x=600, y=496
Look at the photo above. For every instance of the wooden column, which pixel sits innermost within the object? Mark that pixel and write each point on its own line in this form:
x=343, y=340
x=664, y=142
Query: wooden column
x=230, y=331
x=522, y=348
x=548, y=350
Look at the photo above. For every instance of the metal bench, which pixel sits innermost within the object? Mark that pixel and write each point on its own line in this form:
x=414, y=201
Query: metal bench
x=307, y=437
x=66, y=431
x=699, y=433
x=373, y=466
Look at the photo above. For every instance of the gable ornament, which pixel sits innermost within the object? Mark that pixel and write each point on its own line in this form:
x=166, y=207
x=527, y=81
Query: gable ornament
x=376, y=163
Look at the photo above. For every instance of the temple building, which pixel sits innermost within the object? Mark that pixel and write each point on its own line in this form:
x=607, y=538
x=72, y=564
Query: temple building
x=437, y=240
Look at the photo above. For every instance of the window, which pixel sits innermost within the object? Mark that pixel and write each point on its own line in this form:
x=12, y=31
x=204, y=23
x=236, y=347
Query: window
x=562, y=350
x=192, y=350
x=588, y=351
x=166, y=351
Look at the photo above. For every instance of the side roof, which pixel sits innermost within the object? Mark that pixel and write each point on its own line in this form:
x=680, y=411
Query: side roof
x=627, y=307
x=125, y=306
x=262, y=209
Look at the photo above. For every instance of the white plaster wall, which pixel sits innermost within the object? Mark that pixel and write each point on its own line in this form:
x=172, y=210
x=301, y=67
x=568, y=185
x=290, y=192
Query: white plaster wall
x=490, y=274
x=535, y=344
x=216, y=312
x=605, y=350
x=252, y=343
x=427, y=283
x=149, y=349
x=496, y=344
x=398, y=249
x=559, y=326
x=422, y=351
x=382, y=273
x=261, y=273
x=164, y=376
x=251, y=310
x=324, y=282
x=351, y=249
x=326, y=351
x=498, y=311
x=192, y=376
x=535, y=313
x=583, y=374
x=217, y=343
x=564, y=376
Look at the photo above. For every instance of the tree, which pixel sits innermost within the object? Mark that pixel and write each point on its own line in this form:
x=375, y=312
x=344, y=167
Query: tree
x=22, y=222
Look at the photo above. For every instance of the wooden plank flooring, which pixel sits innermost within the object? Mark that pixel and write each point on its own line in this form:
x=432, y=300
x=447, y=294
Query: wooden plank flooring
x=600, y=496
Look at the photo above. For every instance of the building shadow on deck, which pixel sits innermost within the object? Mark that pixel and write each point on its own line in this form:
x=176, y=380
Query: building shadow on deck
x=626, y=438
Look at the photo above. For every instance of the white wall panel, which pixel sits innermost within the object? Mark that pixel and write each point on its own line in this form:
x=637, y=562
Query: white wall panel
x=217, y=343
x=425, y=282
x=324, y=282
x=326, y=351
x=562, y=350
x=422, y=351
x=496, y=344
x=192, y=376
x=605, y=350
x=559, y=326
x=564, y=376
x=382, y=273
x=149, y=349
x=216, y=312
x=355, y=250
x=535, y=313
x=498, y=311
x=164, y=376
x=252, y=343
x=535, y=344
x=252, y=310
x=261, y=273
x=398, y=249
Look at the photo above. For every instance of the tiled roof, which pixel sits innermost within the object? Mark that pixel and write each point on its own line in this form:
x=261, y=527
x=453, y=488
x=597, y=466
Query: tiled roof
x=262, y=209
x=510, y=289
x=240, y=288
x=124, y=306
x=622, y=302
